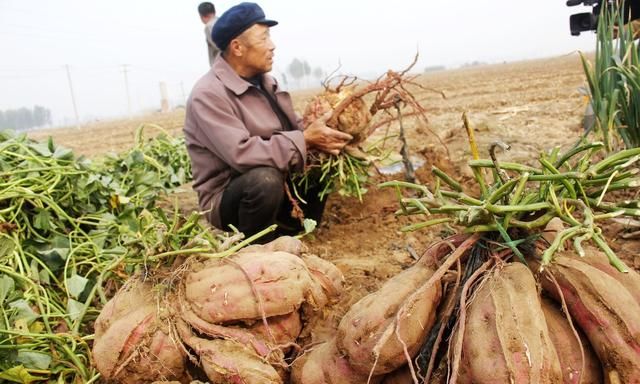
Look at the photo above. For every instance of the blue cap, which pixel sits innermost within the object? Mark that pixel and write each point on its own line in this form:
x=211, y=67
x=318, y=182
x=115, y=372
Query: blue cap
x=236, y=20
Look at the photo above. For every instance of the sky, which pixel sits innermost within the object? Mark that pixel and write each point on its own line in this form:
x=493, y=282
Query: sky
x=163, y=41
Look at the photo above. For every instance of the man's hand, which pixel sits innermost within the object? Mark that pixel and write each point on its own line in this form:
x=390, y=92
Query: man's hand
x=320, y=136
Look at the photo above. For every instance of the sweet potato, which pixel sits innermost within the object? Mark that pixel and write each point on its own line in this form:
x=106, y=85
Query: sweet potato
x=377, y=329
x=226, y=361
x=568, y=348
x=286, y=244
x=235, y=333
x=328, y=282
x=325, y=365
x=506, y=339
x=132, y=343
x=285, y=329
x=219, y=291
x=630, y=280
x=606, y=311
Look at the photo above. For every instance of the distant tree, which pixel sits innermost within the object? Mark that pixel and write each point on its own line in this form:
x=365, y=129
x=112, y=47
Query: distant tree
x=318, y=73
x=296, y=69
x=41, y=116
x=25, y=118
x=307, y=68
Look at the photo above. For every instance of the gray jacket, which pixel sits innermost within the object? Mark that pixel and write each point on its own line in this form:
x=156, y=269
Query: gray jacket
x=231, y=128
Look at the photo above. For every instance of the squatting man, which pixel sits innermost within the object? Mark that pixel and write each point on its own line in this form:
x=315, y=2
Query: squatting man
x=243, y=136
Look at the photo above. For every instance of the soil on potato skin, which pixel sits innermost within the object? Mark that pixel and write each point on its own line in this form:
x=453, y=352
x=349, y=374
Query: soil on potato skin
x=533, y=106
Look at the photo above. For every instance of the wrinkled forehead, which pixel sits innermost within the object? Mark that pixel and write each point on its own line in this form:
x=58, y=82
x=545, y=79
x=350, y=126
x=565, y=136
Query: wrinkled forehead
x=255, y=31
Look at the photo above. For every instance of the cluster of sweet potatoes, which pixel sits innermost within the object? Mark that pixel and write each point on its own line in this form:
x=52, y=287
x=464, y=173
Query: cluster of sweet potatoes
x=517, y=331
x=381, y=332
x=234, y=319
x=575, y=321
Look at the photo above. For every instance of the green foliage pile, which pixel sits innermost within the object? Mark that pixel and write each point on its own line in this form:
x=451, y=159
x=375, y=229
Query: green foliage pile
x=71, y=231
x=517, y=200
x=614, y=82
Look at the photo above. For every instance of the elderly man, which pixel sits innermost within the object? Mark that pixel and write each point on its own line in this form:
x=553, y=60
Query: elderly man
x=243, y=135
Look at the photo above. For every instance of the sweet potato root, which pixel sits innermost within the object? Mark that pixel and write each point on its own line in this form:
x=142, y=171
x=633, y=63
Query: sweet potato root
x=325, y=365
x=505, y=337
x=384, y=326
x=603, y=308
x=132, y=344
x=570, y=348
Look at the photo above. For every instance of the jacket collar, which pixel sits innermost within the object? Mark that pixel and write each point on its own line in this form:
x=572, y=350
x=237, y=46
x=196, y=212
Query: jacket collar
x=234, y=82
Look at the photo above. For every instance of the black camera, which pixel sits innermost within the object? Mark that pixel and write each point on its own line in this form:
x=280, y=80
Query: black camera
x=588, y=21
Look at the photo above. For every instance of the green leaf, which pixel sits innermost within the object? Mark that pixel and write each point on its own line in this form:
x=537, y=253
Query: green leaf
x=76, y=285
x=41, y=148
x=50, y=144
x=61, y=253
x=23, y=311
x=7, y=246
x=74, y=309
x=63, y=154
x=33, y=359
x=35, y=271
x=43, y=277
x=18, y=374
x=42, y=220
x=7, y=358
x=309, y=225
x=7, y=285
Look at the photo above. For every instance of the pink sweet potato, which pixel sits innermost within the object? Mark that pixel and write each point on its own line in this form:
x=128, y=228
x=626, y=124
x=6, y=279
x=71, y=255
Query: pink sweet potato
x=385, y=325
x=285, y=329
x=324, y=364
x=630, y=280
x=568, y=348
x=286, y=244
x=506, y=339
x=604, y=309
x=235, y=333
x=247, y=286
x=227, y=361
x=132, y=343
x=328, y=282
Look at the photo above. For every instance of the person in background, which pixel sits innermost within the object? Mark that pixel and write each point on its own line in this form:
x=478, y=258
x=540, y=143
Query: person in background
x=207, y=13
x=243, y=136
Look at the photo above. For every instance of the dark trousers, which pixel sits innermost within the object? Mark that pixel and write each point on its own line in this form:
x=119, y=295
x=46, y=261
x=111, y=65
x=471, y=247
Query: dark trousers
x=257, y=199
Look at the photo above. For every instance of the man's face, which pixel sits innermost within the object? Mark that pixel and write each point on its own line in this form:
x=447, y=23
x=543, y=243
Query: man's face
x=257, y=48
x=205, y=19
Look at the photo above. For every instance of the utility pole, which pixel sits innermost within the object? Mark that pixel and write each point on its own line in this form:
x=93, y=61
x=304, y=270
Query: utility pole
x=184, y=95
x=125, y=71
x=164, y=97
x=73, y=97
